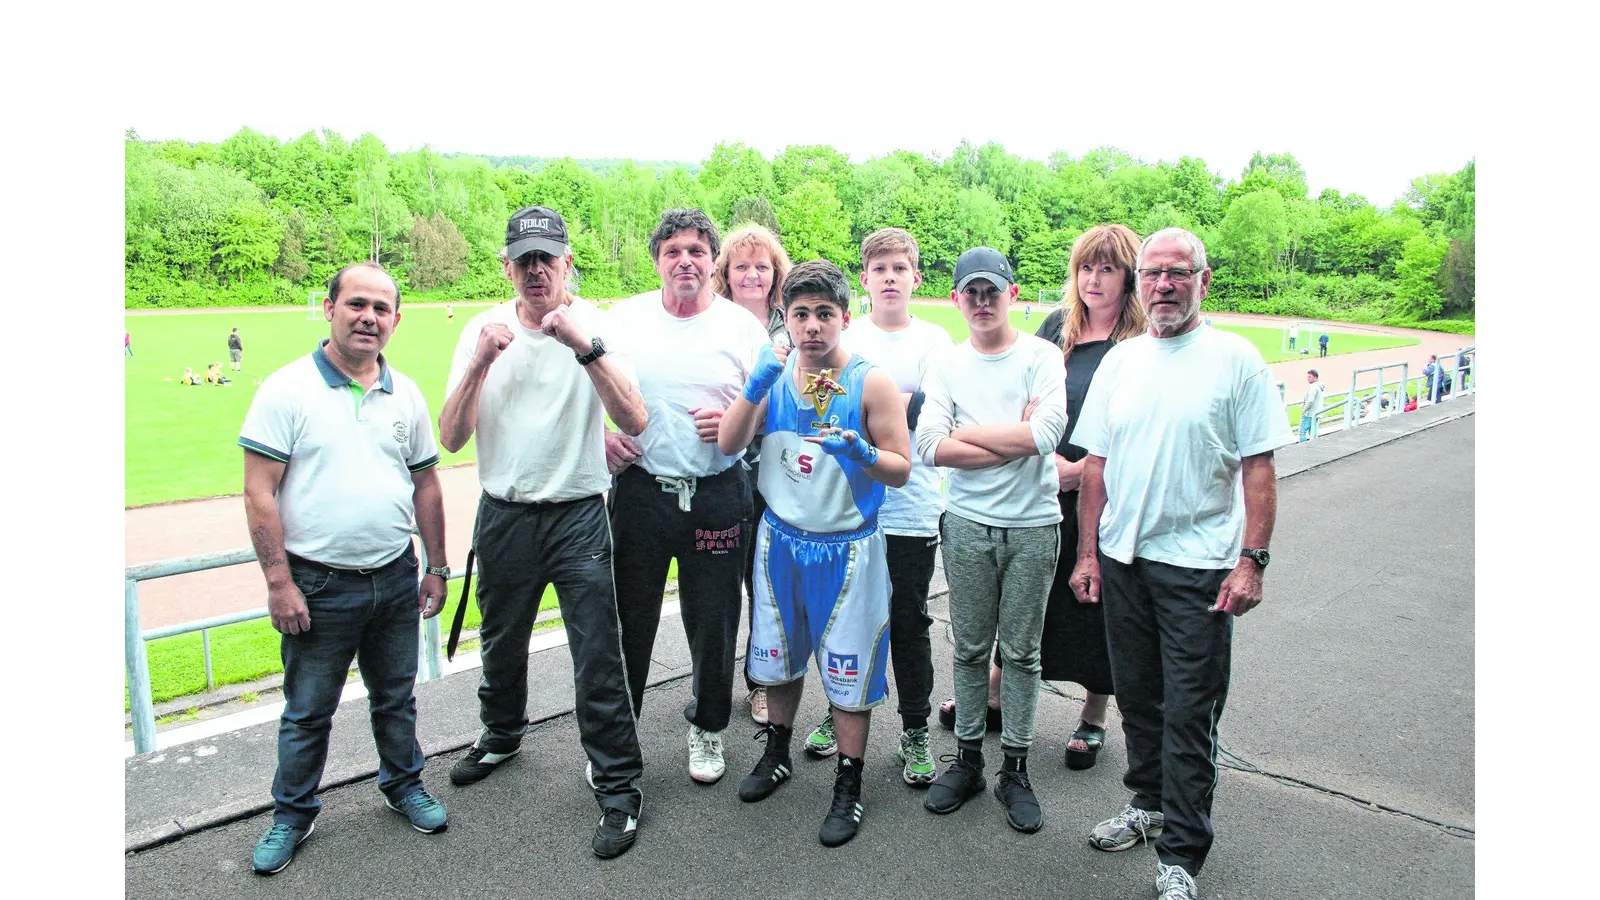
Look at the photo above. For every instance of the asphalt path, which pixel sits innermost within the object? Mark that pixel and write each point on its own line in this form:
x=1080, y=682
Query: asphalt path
x=1348, y=733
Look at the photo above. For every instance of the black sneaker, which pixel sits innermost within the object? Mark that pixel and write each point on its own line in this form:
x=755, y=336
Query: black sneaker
x=844, y=817
x=615, y=834
x=477, y=765
x=959, y=783
x=1015, y=793
x=773, y=769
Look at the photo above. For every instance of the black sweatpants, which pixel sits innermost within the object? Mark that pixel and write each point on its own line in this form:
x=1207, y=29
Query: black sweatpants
x=709, y=542
x=1170, y=661
x=522, y=548
x=910, y=649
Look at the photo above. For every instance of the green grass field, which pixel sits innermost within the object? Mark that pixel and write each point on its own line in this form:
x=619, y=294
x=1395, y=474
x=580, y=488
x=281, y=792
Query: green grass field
x=180, y=442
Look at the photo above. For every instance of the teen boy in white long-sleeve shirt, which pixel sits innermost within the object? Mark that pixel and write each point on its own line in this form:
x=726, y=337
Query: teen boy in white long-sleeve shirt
x=994, y=410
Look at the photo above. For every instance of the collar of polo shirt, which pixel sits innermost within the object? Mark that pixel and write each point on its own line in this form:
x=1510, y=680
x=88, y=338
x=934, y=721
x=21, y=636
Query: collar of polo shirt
x=336, y=378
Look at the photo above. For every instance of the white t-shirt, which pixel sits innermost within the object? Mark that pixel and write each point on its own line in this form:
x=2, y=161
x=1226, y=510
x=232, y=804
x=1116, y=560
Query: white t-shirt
x=699, y=362
x=905, y=355
x=346, y=495
x=541, y=426
x=1312, y=404
x=1173, y=417
x=964, y=387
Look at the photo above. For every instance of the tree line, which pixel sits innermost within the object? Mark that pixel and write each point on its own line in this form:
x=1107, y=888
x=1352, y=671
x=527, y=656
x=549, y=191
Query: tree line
x=253, y=220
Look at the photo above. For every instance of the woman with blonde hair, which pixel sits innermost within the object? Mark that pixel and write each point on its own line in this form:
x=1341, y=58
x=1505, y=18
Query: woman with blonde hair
x=1100, y=308
x=749, y=271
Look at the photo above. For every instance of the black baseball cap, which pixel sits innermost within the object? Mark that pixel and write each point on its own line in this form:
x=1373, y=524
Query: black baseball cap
x=986, y=263
x=536, y=228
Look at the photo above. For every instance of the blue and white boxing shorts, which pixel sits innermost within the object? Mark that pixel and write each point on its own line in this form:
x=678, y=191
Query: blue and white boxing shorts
x=824, y=596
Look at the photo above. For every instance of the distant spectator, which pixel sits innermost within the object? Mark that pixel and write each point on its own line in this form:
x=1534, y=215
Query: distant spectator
x=449, y=312
x=214, y=375
x=1436, y=378
x=1322, y=342
x=127, y=344
x=1311, y=406
x=1411, y=403
x=235, y=350
x=189, y=378
x=1294, y=335
x=1463, y=366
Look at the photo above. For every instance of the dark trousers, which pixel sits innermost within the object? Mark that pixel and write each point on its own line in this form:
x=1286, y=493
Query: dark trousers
x=522, y=549
x=758, y=506
x=649, y=530
x=1170, y=660
x=370, y=618
x=1324, y=350
x=910, y=650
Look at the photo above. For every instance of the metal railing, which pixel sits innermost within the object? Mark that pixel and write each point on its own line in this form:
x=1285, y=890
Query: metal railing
x=141, y=707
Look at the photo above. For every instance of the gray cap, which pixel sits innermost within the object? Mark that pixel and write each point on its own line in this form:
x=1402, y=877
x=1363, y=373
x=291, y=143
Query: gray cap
x=986, y=263
x=536, y=228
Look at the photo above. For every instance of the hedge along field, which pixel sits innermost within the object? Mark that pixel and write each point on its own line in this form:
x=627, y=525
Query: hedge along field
x=181, y=442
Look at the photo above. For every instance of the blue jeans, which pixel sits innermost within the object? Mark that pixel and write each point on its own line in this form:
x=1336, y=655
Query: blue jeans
x=371, y=618
x=1305, y=427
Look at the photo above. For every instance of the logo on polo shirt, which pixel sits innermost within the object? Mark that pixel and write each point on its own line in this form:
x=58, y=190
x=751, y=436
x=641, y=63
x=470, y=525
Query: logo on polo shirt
x=402, y=432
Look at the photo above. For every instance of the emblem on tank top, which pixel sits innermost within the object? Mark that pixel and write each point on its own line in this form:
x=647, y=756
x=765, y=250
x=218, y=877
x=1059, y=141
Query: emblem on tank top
x=821, y=388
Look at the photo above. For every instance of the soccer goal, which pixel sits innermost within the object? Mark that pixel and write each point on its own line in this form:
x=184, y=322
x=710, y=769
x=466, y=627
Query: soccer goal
x=1300, y=338
x=314, y=305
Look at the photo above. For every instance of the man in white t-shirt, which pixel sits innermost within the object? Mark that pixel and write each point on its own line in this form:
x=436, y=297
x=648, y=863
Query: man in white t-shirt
x=1311, y=406
x=339, y=467
x=676, y=493
x=995, y=409
x=1180, y=426
x=892, y=339
x=534, y=379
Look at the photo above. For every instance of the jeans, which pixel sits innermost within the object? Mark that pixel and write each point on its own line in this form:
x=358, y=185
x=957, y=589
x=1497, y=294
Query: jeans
x=1305, y=427
x=999, y=577
x=369, y=618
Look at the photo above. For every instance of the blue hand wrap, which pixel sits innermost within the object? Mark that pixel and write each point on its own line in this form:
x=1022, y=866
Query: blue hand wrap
x=769, y=368
x=856, y=449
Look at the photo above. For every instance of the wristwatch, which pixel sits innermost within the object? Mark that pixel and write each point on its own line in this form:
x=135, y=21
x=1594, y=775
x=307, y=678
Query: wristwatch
x=1261, y=557
x=598, y=351
x=441, y=571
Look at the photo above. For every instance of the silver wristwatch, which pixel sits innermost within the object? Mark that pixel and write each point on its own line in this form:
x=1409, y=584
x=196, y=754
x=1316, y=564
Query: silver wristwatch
x=441, y=571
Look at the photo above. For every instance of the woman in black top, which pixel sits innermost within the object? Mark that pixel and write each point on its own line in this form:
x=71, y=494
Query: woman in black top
x=1099, y=309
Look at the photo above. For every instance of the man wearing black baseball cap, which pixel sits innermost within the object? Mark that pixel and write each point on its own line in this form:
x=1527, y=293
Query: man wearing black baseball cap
x=1001, y=528
x=535, y=380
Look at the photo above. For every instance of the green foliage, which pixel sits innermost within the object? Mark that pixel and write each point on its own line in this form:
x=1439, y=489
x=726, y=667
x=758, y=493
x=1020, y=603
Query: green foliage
x=814, y=225
x=252, y=221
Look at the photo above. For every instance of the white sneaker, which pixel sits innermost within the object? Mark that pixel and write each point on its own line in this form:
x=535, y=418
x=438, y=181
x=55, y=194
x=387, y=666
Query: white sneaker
x=757, y=699
x=705, y=755
x=1173, y=883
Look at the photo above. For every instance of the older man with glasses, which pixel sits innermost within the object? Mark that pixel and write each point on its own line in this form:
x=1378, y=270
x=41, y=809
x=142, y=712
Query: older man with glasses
x=1176, y=507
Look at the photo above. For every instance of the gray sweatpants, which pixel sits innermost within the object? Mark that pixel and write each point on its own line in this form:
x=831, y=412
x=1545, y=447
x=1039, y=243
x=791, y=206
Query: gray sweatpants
x=999, y=580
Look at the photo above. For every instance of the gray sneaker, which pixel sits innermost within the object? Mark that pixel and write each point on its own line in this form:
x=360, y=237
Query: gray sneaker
x=1173, y=883
x=1125, y=829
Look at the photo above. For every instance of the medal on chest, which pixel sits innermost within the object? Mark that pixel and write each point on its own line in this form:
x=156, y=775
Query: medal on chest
x=821, y=389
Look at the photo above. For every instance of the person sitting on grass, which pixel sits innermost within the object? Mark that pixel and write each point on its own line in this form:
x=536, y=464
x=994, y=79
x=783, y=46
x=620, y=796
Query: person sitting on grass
x=214, y=375
x=189, y=378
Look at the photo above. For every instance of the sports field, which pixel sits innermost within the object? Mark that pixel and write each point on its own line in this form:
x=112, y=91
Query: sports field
x=180, y=442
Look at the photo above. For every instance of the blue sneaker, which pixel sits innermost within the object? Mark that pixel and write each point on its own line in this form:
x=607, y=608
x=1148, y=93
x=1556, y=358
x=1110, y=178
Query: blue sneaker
x=427, y=815
x=276, y=848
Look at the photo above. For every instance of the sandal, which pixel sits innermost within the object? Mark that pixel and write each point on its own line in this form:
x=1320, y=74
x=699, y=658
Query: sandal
x=947, y=717
x=1093, y=736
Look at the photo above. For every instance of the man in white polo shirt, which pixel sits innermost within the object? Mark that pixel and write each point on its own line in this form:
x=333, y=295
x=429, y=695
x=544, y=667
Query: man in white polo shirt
x=338, y=468
x=1175, y=510
x=534, y=379
x=677, y=494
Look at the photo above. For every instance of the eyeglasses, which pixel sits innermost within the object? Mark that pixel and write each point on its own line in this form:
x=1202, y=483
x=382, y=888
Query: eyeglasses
x=1178, y=276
